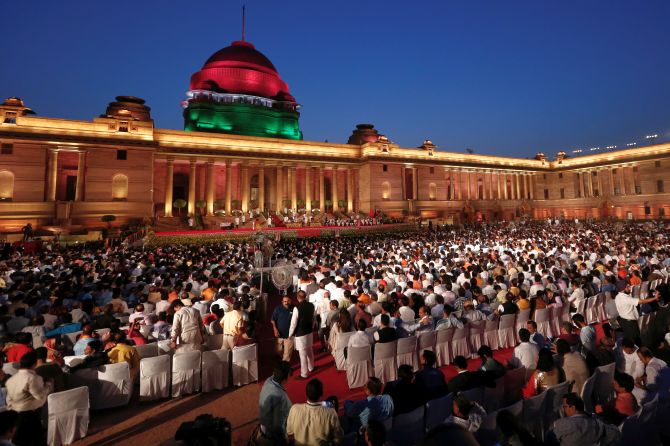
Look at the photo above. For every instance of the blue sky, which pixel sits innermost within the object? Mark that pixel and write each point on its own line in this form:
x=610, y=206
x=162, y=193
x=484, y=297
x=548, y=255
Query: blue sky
x=508, y=78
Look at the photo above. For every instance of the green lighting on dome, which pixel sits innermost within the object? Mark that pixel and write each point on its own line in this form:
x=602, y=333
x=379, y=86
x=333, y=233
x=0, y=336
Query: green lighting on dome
x=242, y=119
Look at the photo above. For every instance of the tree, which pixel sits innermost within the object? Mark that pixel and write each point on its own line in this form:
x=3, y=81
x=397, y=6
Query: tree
x=316, y=204
x=329, y=204
x=179, y=204
x=201, y=204
x=341, y=204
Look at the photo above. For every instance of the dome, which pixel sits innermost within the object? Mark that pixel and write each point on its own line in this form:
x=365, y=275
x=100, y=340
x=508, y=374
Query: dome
x=240, y=68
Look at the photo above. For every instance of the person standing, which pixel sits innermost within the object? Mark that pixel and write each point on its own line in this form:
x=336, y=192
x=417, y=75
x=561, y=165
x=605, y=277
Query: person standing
x=302, y=325
x=187, y=328
x=314, y=422
x=281, y=323
x=275, y=405
x=26, y=394
x=626, y=306
x=232, y=324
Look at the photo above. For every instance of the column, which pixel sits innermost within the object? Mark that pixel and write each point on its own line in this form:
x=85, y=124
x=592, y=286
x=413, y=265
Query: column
x=350, y=190
x=499, y=196
x=261, y=188
x=624, y=184
x=518, y=186
x=292, y=181
x=279, y=193
x=531, y=181
x=355, y=174
x=334, y=198
x=229, y=187
x=460, y=184
x=52, y=176
x=322, y=191
x=79, y=190
x=452, y=183
x=601, y=193
x=308, y=189
x=415, y=183
x=244, y=186
x=468, y=178
x=589, y=183
x=611, y=181
x=191, y=188
x=504, y=179
x=210, y=188
x=579, y=184
x=169, y=185
x=403, y=183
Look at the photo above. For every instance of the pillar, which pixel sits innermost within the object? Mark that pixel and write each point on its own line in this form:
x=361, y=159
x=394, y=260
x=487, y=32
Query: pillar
x=308, y=189
x=518, y=186
x=244, y=186
x=279, y=193
x=79, y=191
x=580, y=187
x=229, y=187
x=468, y=185
x=334, y=198
x=322, y=191
x=601, y=192
x=504, y=180
x=169, y=185
x=611, y=181
x=210, y=188
x=459, y=184
x=499, y=195
x=531, y=181
x=261, y=188
x=415, y=183
x=52, y=176
x=452, y=184
x=350, y=190
x=191, y=188
x=292, y=180
x=589, y=183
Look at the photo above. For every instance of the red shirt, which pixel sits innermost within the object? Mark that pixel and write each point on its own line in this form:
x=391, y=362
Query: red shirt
x=15, y=353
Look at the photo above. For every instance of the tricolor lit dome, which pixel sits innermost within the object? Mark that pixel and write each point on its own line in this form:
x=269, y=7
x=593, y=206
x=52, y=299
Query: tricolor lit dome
x=239, y=91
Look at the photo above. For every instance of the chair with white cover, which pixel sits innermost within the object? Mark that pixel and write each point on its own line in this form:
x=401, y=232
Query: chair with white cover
x=591, y=312
x=147, y=350
x=631, y=429
x=10, y=368
x=438, y=410
x=494, y=396
x=359, y=366
x=522, y=318
x=164, y=347
x=385, y=361
x=644, y=289
x=155, y=377
x=408, y=428
x=460, y=345
x=532, y=419
x=114, y=386
x=425, y=341
x=600, y=308
x=556, y=315
x=68, y=416
x=215, y=370
x=214, y=342
x=581, y=306
x=543, y=320
x=72, y=361
x=407, y=352
x=515, y=380
x=245, y=364
x=491, y=334
x=214, y=328
x=604, y=387
x=515, y=409
x=185, y=373
x=565, y=314
x=487, y=433
x=69, y=339
x=340, y=346
x=476, y=334
x=506, y=335
x=555, y=396
x=588, y=393
x=647, y=418
x=443, y=346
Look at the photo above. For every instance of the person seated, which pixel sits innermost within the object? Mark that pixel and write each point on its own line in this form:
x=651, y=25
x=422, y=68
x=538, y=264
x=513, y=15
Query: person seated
x=535, y=336
x=22, y=345
x=403, y=391
x=122, y=351
x=87, y=335
x=385, y=333
x=567, y=333
x=135, y=335
x=361, y=338
x=106, y=319
x=491, y=368
x=578, y=428
x=95, y=357
x=465, y=413
x=66, y=327
x=430, y=380
x=449, y=320
x=623, y=405
x=376, y=406
x=526, y=353
x=464, y=379
x=546, y=374
x=161, y=329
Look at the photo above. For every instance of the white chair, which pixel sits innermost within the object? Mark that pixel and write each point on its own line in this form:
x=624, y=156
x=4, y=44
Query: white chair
x=443, y=346
x=460, y=345
x=245, y=364
x=506, y=336
x=591, y=312
x=164, y=347
x=555, y=396
x=10, y=368
x=215, y=373
x=72, y=361
x=487, y=433
x=604, y=387
x=359, y=366
x=600, y=308
x=68, y=416
x=515, y=380
x=522, y=318
x=543, y=320
x=476, y=334
x=340, y=346
x=408, y=428
x=587, y=393
x=515, y=409
x=556, y=314
x=491, y=334
x=407, y=352
x=147, y=350
x=69, y=339
x=425, y=341
x=532, y=418
x=155, y=377
x=438, y=410
x=185, y=373
x=385, y=361
x=215, y=341
x=581, y=306
x=114, y=386
x=644, y=289
x=494, y=396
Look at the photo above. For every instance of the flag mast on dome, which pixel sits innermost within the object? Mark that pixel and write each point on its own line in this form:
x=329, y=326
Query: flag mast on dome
x=243, y=8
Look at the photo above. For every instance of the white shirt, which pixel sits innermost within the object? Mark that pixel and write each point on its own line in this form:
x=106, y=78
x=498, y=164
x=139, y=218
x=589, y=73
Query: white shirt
x=630, y=363
x=360, y=339
x=525, y=355
x=577, y=295
x=626, y=305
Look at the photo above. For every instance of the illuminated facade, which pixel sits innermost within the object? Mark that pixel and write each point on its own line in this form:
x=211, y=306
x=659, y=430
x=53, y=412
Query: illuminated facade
x=242, y=148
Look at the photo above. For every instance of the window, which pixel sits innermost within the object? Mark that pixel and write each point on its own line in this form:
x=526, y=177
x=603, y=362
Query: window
x=432, y=170
x=546, y=194
x=617, y=191
x=614, y=171
x=386, y=190
x=122, y=155
x=123, y=126
x=6, y=149
x=119, y=187
x=544, y=176
x=432, y=190
x=6, y=185
x=638, y=189
x=385, y=167
x=562, y=193
x=10, y=117
x=657, y=164
x=661, y=212
x=560, y=175
x=660, y=186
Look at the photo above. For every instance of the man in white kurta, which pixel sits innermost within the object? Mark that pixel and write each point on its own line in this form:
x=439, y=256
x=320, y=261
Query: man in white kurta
x=302, y=326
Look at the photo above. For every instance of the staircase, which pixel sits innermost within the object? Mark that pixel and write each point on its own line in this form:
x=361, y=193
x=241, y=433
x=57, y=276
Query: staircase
x=170, y=224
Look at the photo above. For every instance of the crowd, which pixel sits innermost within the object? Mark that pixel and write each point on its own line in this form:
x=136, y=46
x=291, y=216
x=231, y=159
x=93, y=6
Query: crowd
x=402, y=284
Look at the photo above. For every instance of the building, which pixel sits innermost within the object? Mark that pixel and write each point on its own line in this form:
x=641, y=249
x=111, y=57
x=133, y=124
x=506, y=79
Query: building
x=242, y=149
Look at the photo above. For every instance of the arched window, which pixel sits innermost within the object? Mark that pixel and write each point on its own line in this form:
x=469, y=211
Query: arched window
x=432, y=191
x=386, y=190
x=119, y=187
x=6, y=185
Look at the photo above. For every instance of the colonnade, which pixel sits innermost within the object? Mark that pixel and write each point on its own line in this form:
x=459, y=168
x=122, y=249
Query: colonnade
x=464, y=184
x=622, y=180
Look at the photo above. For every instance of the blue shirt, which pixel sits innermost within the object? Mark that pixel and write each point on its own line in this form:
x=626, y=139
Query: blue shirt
x=80, y=345
x=63, y=329
x=282, y=318
x=274, y=405
x=378, y=408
